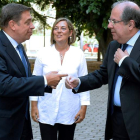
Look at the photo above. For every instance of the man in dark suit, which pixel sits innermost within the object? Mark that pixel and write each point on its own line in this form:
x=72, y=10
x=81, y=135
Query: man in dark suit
x=121, y=71
x=16, y=80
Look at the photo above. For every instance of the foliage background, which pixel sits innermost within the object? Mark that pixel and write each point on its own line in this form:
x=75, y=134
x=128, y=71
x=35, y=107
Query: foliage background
x=90, y=16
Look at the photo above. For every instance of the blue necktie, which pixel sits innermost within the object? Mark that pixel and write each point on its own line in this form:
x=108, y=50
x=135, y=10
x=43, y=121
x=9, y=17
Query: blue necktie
x=115, y=80
x=19, y=47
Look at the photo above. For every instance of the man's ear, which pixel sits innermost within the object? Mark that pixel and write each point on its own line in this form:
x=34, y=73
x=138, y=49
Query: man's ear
x=131, y=24
x=12, y=24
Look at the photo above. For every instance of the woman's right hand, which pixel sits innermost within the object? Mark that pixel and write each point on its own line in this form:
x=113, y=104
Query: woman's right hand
x=34, y=111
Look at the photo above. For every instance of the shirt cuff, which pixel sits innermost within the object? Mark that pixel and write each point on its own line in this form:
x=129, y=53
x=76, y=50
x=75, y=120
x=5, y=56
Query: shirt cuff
x=120, y=62
x=45, y=81
x=33, y=98
x=85, y=102
x=76, y=88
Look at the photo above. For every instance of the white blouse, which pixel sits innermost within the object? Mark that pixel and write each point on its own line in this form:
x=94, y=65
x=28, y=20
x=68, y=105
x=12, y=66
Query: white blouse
x=62, y=104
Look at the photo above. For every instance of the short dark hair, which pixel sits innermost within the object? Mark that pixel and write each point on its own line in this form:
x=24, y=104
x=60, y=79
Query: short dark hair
x=71, y=39
x=129, y=13
x=12, y=11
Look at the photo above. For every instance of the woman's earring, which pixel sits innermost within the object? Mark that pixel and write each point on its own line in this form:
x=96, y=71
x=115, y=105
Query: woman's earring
x=70, y=38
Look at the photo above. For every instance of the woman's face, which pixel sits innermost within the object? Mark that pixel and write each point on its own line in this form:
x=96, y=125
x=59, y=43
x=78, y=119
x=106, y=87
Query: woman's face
x=61, y=32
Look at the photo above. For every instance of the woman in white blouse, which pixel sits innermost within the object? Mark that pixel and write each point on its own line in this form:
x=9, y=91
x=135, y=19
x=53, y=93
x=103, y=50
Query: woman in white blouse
x=58, y=113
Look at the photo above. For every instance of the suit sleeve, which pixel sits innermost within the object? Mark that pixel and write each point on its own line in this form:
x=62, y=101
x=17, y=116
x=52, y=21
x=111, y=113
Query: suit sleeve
x=19, y=86
x=95, y=79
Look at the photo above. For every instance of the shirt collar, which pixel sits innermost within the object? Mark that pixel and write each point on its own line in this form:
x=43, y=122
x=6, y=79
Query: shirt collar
x=133, y=40
x=13, y=42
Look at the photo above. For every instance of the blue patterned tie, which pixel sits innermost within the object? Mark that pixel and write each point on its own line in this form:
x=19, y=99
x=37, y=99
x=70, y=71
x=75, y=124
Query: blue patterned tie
x=19, y=47
x=124, y=47
x=115, y=80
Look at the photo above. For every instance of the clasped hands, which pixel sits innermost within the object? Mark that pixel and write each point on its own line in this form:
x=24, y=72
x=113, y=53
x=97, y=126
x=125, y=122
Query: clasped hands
x=119, y=54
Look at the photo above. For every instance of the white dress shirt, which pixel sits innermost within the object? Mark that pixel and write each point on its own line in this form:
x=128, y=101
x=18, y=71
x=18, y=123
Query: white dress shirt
x=62, y=104
x=131, y=44
x=13, y=42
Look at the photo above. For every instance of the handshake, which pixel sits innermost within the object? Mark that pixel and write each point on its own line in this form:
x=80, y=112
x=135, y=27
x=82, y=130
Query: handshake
x=53, y=78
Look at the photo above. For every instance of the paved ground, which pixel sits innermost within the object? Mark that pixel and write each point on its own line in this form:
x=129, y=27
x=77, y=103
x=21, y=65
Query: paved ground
x=93, y=126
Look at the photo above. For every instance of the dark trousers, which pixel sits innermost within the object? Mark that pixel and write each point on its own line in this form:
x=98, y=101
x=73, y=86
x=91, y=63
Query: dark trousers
x=27, y=131
x=57, y=132
x=118, y=126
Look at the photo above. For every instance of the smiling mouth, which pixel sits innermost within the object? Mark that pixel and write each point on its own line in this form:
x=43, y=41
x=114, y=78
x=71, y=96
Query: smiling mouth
x=59, y=36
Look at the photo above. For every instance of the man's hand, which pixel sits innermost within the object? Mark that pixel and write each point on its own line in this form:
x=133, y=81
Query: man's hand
x=53, y=78
x=71, y=82
x=119, y=54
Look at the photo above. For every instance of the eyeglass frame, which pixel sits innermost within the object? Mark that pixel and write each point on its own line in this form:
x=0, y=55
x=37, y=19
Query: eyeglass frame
x=114, y=21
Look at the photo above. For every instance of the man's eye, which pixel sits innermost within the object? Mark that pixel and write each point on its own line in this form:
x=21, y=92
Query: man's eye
x=28, y=23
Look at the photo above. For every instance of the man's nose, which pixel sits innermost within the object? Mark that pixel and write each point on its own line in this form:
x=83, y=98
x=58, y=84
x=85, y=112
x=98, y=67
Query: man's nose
x=32, y=26
x=110, y=25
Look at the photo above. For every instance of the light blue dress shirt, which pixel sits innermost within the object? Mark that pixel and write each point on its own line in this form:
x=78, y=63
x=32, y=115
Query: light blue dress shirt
x=131, y=44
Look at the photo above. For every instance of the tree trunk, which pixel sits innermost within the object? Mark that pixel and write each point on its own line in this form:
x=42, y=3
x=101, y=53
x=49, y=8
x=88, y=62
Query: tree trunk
x=104, y=42
x=44, y=35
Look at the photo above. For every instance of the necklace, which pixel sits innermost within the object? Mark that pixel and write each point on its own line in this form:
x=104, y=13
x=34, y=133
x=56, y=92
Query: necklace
x=61, y=56
x=62, y=53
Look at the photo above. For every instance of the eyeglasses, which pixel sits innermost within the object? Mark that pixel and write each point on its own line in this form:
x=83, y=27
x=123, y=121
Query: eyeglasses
x=114, y=21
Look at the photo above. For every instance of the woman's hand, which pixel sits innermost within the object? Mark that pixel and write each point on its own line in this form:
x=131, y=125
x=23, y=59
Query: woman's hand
x=81, y=114
x=34, y=111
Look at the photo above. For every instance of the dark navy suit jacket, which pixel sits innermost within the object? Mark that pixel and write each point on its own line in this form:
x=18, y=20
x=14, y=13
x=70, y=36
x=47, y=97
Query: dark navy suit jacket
x=129, y=91
x=15, y=89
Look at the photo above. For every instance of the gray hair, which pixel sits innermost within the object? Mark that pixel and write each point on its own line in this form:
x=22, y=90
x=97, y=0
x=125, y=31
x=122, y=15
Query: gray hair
x=12, y=11
x=119, y=2
x=71, y=39
x=129, y=13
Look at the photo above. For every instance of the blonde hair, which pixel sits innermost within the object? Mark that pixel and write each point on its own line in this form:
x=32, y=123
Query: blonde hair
x=71, y=39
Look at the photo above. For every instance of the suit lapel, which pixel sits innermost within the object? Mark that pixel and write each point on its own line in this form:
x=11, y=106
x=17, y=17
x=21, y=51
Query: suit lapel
x=135, y=53
x=12, y=53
